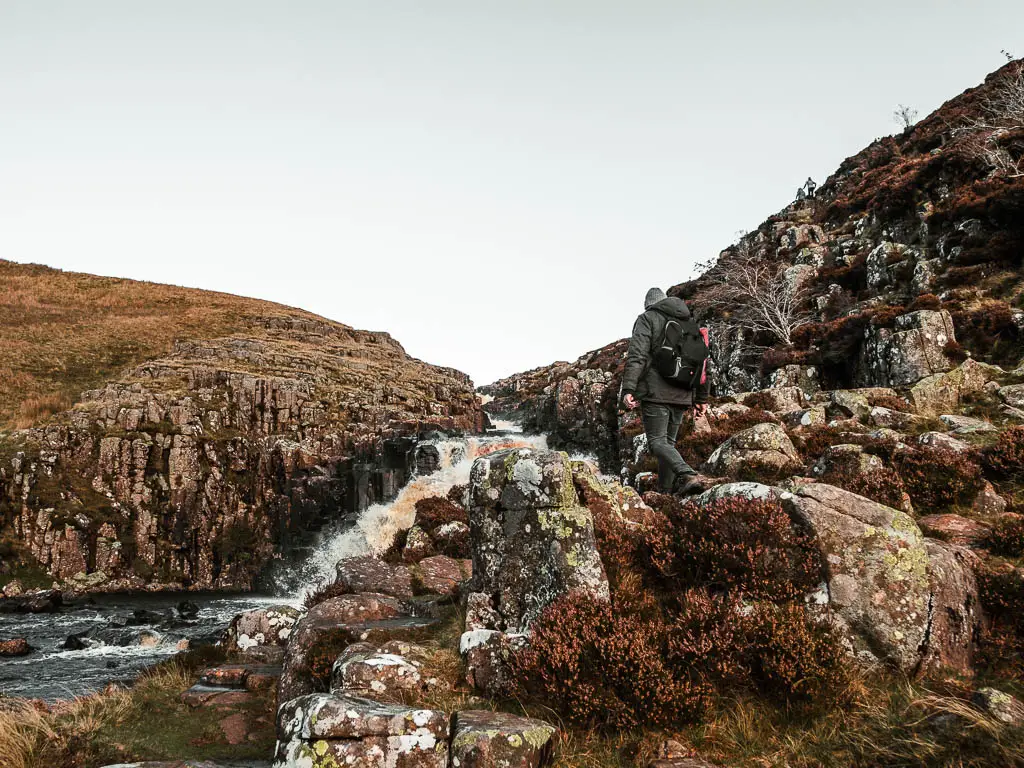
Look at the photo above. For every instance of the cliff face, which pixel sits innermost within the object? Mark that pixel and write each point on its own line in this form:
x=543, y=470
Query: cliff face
x=907, y=259
x=195, y=467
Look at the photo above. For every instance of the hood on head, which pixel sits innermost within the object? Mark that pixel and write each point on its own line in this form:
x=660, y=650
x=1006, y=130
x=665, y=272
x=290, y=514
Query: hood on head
x=654, y=295
x=673, y=306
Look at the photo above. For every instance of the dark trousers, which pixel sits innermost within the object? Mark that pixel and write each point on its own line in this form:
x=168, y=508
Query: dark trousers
x=661, y=423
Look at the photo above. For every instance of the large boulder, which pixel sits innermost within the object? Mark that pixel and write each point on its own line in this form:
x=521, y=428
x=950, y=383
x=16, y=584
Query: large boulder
x=532, y=540
x=903, y=600
x=943, y=392
x=775, y=399
x=328, y=730
x=364, y=671
x=257, y=629
x=763, y=446
x=350, y=617
x=485, y=739
x=876, y=571
x=954, y=606
x=914, y=349
x=366, y=573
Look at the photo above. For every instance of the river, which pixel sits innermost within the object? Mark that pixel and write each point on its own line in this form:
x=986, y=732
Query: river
x=123, y=634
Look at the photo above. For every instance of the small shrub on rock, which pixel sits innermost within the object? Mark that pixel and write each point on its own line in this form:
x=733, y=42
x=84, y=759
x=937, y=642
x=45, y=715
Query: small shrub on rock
x=795, y=657
x=324, y=592
x=813, y=441
x=322, y=655
x=1007, y=537
x=1003, y=461
x=937, y=478
x=744, y=545
x=456, y=494
x=1002, y=597
x=438, y=510
x=880, y=484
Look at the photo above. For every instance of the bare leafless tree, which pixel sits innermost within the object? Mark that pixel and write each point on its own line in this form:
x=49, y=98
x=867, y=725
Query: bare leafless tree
x=756, y=293
x=991, y=136
x=904, y=115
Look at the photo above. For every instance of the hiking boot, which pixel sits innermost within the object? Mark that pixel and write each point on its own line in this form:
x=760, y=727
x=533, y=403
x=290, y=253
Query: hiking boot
x=687, y=485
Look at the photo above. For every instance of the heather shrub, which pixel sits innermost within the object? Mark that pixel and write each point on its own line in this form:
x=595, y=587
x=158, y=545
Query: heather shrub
x=813, y=441
x=744, y=545
x=1006, y=537
x=621, y=543
x=603, y=668
x=937, y=478
x=324, y=592
x=795, y=657
x=768, y=472
x=925, y=301
x=456, y=494
x=1004, y=459
x=880, y=484
x=322, y=654
x=438, y=510
x=601, y=664
x=1002, y=598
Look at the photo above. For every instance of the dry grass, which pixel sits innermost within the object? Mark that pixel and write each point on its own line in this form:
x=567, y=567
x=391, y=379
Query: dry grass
x=118, y=725
x=24, y=734
x=37, y=408
x=64, y=332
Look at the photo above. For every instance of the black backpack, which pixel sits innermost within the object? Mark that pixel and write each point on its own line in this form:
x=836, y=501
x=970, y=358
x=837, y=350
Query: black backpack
x=681, y=353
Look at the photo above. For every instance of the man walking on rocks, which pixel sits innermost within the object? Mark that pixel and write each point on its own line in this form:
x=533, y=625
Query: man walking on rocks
x=665, y=377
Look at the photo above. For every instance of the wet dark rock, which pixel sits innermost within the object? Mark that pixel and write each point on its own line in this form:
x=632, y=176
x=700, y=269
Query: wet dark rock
x=33, y=602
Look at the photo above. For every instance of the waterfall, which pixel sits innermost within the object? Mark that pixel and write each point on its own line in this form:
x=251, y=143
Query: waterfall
x=377, y=525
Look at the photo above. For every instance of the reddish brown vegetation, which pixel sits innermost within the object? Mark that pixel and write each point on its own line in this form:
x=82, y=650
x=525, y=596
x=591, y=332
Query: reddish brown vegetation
x=1006, y=537
x=435, y=511
x=1003, y=461
x=937, y=478
x=881, y=484
x=703, y=600
x=1002, y=597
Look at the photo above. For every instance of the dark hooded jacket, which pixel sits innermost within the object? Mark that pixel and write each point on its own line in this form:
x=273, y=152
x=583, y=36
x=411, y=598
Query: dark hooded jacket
x=639, y=378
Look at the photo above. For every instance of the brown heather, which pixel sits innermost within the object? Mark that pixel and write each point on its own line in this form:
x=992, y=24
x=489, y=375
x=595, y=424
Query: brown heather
x=62, y=333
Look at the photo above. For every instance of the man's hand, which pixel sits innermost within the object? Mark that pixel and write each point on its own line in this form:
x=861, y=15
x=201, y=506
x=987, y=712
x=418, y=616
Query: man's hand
x=630, y=402
x=699, y=409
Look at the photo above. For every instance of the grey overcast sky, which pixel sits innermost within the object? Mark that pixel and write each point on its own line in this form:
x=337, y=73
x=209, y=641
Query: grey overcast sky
x=495, y=183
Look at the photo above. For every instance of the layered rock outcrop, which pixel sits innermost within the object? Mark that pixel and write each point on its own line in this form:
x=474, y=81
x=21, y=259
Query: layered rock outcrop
x=194, y=469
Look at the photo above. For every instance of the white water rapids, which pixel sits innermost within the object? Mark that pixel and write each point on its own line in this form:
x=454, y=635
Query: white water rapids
x=377, y=525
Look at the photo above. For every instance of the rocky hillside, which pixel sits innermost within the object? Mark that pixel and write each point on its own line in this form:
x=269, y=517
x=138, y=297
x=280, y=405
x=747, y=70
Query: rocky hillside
x=208, y=431
x=904, y=263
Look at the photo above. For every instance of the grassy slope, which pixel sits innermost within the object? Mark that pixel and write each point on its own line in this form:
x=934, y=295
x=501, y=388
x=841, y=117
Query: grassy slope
x=65, y=332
